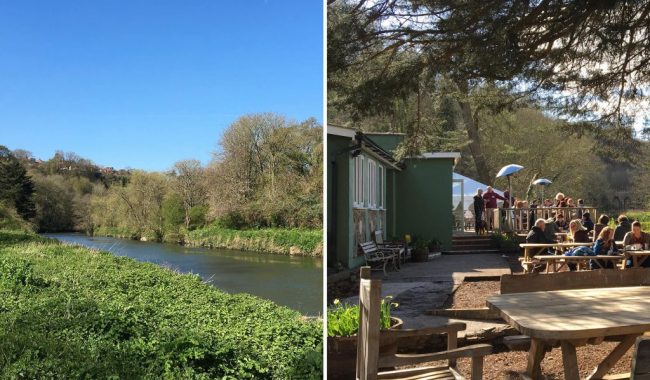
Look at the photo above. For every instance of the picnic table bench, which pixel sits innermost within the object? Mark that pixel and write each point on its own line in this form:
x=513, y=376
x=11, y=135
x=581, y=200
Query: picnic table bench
x=557, y=262
x=576, y=317
x=533, y=249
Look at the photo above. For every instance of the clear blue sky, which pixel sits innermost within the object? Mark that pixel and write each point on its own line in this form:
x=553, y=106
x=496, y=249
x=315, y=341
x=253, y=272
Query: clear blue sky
x=146, y=83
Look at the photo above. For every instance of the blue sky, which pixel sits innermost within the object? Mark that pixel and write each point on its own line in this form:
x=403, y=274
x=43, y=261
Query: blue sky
x=143, y=84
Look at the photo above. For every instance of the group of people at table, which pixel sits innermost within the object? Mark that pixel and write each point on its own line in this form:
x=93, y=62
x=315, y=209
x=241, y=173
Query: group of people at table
x=603, y=236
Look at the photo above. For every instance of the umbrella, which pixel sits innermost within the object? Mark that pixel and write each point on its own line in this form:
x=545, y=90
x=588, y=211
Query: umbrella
x=507, y=171
x=542, y=182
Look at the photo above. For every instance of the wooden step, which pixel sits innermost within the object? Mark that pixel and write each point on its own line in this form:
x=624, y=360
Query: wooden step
x=469, y=251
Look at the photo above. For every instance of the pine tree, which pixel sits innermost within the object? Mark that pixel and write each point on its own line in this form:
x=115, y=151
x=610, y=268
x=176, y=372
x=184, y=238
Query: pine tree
x=16, y=187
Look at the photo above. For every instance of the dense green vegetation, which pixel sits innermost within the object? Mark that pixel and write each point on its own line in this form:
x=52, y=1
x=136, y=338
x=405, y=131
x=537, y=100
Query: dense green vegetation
x=280, y=241
x=265, y=177
x=71, y=312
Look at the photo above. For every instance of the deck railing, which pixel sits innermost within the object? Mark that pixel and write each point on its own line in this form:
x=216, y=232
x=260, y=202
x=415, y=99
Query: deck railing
x=520, y=220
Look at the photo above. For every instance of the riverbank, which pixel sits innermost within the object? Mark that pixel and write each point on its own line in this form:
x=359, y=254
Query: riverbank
x=296, y=242
x=72, y=312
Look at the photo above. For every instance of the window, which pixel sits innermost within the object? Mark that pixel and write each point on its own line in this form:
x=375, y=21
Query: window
x=381, y=186
x=372, y=181
x=369, y=183
x=358, y=181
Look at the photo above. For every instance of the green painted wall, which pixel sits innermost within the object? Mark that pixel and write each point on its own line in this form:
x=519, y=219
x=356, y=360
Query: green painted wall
x=338, y=210
x=424, y=199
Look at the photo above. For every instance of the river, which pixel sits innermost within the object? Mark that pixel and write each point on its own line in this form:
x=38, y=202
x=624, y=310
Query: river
x=295, y=282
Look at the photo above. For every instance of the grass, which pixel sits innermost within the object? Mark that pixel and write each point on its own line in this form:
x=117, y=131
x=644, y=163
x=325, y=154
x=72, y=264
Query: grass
x=271, y=240
x=72, y=312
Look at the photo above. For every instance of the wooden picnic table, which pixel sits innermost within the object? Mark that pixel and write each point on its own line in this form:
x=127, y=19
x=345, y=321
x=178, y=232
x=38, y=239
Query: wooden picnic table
x=536, y=248
x=574, y=318
x=638, y=257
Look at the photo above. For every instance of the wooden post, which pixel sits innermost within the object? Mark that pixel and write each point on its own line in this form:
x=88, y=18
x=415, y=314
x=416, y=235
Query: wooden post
x=452, y=342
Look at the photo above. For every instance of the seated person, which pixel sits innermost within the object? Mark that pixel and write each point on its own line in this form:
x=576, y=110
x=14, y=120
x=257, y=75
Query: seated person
x=560, y=222
x=622, y=227
x=637, y=240
x=603, y=221
x=604, y=245
x=577, y=233
x=587, y=222
x=550, y=229
x=536, y=234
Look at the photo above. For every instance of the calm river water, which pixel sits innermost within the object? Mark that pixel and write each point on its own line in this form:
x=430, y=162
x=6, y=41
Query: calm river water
x=295, y=282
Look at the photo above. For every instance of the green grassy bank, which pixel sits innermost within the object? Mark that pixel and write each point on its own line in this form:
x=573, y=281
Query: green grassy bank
x=279, y=241
x=271, y=240
x=71, y=312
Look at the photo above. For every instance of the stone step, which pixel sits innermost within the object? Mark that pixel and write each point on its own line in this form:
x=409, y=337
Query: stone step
x=469, y=251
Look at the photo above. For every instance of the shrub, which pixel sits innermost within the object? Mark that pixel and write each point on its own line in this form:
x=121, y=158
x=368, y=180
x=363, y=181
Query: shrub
x=104, y=316
x=343, y=319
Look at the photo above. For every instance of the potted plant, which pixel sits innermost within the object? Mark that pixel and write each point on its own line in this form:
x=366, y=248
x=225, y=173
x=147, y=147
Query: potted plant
x=342, y=327
x=434, y=245
x=421, y=251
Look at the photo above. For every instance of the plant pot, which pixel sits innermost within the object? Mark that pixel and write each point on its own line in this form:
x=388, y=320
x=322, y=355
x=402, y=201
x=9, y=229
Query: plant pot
x=420, y=255
x=342, y=352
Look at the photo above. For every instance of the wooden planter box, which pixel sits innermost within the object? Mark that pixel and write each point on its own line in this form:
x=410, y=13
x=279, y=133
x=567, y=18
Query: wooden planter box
x=342, y=353
x=420, y=255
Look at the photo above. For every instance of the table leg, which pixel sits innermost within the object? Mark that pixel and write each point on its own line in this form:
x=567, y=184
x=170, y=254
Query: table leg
x=635, y=262
x=570, y=361
x=535, y=357
x=642, y=260
x=613, y=357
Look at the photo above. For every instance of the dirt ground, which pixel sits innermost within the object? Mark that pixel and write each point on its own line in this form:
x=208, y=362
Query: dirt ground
x=506, y=365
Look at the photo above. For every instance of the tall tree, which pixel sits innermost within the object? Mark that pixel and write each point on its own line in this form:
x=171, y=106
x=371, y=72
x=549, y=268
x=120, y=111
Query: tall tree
x=189, y=182
x=16, y=187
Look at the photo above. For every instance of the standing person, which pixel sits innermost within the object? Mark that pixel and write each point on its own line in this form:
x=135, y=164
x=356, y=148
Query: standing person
x=581, y=205
x=490, y=197
x=479, y=208
x=622, y=228
x=560, y=200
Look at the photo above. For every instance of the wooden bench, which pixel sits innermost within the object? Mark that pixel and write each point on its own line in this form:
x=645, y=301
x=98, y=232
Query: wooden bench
x=533, y=249
x=558, y=262
x=378, y=257
x=402, y=250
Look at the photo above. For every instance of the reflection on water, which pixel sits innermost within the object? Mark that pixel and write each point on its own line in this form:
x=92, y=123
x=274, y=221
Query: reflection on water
x=291, y=281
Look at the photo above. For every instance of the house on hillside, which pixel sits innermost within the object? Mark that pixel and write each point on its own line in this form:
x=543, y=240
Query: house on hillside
x=369, y=190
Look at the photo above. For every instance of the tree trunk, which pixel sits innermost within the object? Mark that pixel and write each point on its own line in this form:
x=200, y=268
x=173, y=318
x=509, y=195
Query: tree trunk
x=471, y=127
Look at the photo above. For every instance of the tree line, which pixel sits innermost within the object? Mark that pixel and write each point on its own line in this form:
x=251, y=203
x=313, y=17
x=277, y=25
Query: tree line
x=267, y=172
x=501, y=82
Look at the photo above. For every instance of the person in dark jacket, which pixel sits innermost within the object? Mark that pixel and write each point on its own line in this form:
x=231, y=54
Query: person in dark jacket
x=622, y=228
x=536, y=234
x=587, y=222
x=603, y=221
x=479, y=207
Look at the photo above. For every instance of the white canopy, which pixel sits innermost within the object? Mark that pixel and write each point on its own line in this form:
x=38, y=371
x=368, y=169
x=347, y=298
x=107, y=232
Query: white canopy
x=469, y=190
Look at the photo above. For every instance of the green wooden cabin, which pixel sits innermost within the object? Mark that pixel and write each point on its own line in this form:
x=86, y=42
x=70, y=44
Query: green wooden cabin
x=368, y=189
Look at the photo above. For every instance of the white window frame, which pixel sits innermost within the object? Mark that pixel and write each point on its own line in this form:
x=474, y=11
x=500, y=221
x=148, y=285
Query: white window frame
x=372, y=184
x=381, y=186
x=358, y=181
